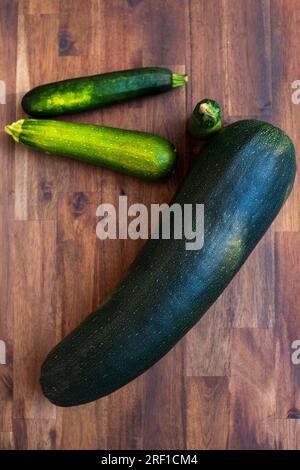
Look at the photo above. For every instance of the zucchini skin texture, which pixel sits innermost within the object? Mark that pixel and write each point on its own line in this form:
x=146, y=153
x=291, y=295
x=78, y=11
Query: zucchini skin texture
x=243, y=176
x=136, y=153
x=87, y=93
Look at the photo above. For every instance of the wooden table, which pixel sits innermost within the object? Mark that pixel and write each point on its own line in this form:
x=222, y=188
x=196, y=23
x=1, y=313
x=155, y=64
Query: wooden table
x=230, y=382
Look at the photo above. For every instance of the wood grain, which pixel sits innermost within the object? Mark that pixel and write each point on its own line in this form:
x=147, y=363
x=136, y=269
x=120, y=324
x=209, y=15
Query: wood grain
x=287, y=327
x=252, y=388
x=207, y=405
x=8, y=29
x=285, y=65
x=230, y=383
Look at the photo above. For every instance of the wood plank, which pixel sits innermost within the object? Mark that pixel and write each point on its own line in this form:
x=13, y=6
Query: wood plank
x=6, y=440
x=120, y=418
x=163, y=427
x=287, y=434
x=76, y=251
x=287, y=326
x=253, y=302
x=285, y=20
x=6, y=402
x=8, y=29
x=35, y=177
x=165, y=31
x=207, y=351
x=206, y=72
x=35, y=7
x=76, y=245
x=33, y=294
x=21, y=153
x=207, y=412
x=71, y=31
x=76, y=428
x=252, y=389
x=246, y=39
x=34, y=434
x=239, y=43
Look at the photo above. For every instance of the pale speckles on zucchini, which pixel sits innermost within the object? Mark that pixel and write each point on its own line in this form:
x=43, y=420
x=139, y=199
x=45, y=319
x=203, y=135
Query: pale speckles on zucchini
x=71, y=98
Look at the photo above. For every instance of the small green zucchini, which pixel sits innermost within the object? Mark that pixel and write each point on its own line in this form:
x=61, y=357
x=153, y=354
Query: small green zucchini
x=86, y=93
x=243, y=177
x=137, y=153
x=205, y=120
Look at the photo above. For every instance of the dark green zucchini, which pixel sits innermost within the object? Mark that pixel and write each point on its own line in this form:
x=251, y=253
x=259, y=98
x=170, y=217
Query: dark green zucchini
x=243, y=177
x=206, y=119
x=86, y=93
x=137, y=153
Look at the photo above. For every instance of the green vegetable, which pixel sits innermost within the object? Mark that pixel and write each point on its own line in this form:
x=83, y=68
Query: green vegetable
x=243, y=176
x=85, y=93
x=138, y=153
x=205, y=120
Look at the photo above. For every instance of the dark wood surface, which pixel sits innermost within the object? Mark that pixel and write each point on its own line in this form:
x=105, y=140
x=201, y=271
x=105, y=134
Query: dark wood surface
x=230, y=383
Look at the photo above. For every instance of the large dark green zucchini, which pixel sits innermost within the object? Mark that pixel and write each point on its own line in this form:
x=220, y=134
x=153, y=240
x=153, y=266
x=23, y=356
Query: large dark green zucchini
x=137, y=153
x=85, y=93
x=243, y=176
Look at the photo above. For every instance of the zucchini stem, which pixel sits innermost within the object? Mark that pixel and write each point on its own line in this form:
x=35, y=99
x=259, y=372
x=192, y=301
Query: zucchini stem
x=14, y=129
x=204, y=108
x=178, y=80
x=206, y=119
